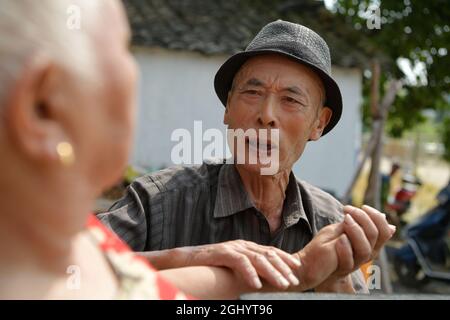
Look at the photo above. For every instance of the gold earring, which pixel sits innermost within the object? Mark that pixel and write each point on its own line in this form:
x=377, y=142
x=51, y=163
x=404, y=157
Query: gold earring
x=65, y=153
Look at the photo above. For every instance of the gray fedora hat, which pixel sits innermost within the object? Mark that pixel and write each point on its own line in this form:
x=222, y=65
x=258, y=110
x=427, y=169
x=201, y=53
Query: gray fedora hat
x=296, y=42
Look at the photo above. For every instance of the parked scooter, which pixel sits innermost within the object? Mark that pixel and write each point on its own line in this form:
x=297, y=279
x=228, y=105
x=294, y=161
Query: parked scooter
x=398, y=205
x=426, y=253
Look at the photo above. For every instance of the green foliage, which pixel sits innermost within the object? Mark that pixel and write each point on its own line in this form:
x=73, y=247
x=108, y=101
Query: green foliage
x=445, y=133
x=419, y=31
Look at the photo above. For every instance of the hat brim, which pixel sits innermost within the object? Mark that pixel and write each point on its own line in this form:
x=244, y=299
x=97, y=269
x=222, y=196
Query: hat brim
x=225, y=75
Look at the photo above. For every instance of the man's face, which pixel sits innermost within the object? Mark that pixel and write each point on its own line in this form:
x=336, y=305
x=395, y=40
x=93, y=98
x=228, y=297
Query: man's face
x=275, y=92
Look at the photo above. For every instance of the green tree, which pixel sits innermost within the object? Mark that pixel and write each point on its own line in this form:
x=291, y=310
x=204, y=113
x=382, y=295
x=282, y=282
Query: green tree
x=420, y=32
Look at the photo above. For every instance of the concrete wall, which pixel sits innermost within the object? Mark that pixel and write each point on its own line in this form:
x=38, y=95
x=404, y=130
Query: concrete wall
x=176, y=89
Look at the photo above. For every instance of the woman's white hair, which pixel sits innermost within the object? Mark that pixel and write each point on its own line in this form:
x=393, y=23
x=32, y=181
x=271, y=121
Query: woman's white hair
x=59, y=29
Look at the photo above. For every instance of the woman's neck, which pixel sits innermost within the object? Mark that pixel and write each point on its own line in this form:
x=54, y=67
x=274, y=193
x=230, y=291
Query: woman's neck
x=78, y=272
x=39, y=233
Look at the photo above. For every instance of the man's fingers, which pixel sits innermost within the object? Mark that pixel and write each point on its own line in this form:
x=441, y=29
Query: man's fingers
x=287, y=258
x=331, y=232
x=345, y=255
x=385, y=230
x=266, y=270
x=243, y=266
x=282, y=267
x=365, y=222
x=284, y=262
x=256, y=261
x=362, y=250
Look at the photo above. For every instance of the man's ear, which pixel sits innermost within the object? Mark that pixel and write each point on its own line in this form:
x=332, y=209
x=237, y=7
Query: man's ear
x=30, y=111
x=320, y=123
x=226, y=116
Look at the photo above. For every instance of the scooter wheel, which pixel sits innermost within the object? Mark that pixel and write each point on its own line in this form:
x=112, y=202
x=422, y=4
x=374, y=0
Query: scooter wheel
x=410, y=274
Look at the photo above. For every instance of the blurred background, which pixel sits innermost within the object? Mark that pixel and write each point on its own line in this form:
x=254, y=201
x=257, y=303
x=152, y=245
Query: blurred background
x=391, y=148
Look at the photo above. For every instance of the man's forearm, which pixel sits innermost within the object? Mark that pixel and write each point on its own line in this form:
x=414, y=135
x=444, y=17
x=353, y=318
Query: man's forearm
x=221, y=283
x=179, y=258
x=168, y=259
x=205, y=282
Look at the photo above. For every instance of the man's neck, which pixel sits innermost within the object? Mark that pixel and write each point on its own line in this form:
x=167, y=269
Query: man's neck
x=267, y=193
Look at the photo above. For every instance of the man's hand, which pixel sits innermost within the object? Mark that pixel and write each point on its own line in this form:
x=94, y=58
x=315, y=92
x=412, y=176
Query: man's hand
x=368, y=231
x=335, y=252
x=320, y=258
x=249, y=261
x=342, y=248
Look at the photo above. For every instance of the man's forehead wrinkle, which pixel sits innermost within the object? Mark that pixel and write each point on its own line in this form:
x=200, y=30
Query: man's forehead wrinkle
x=251, y=69
x=254, y=82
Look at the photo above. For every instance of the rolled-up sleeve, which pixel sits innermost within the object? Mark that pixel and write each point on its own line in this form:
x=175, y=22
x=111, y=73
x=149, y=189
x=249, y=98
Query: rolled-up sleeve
x=127, y=218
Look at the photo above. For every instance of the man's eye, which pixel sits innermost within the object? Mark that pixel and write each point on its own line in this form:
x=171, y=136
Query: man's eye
x=252, y=92
x=291, y=100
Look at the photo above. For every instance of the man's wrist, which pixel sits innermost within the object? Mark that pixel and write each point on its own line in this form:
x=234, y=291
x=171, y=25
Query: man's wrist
x=301, y=273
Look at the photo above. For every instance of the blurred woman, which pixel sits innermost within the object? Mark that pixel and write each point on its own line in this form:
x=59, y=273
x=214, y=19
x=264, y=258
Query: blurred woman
x=67, y=109
x=67, y=88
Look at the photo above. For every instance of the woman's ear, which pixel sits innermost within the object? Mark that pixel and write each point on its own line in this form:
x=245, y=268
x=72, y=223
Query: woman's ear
x=320, y=123
x=29, y=112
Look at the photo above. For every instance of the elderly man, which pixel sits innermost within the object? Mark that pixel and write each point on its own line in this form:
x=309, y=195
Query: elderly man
x=232, y=215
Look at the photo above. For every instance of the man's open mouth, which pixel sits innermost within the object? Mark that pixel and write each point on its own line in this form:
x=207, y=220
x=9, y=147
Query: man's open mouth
x=260, y=145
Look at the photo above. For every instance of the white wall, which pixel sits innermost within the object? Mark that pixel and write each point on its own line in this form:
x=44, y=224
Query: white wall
x=330, y=162
x=176, y=88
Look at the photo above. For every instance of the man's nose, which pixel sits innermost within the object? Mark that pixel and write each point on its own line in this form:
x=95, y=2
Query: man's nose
x=267, y=114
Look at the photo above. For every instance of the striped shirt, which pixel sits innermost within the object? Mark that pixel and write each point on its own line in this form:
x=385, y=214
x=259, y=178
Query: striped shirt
x=189, y=206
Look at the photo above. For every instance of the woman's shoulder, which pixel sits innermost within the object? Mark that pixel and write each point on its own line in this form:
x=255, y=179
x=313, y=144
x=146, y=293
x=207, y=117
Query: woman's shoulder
x=137, y=279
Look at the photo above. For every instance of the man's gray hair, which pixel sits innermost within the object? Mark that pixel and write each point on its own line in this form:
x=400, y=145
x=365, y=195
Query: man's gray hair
x=33, y=27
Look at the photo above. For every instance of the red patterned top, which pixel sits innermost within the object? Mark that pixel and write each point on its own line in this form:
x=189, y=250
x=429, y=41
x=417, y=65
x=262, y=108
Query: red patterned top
x=136, y=277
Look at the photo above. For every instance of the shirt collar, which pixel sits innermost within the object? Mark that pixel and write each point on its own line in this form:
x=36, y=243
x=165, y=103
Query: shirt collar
x=233, y=198
x=231, y=195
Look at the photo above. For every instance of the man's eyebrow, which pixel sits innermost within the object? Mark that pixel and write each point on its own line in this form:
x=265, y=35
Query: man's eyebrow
x=254, y=82
x=296, y=90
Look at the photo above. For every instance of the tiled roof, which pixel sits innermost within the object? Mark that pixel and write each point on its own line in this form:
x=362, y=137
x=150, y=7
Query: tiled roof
x=227, y=26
